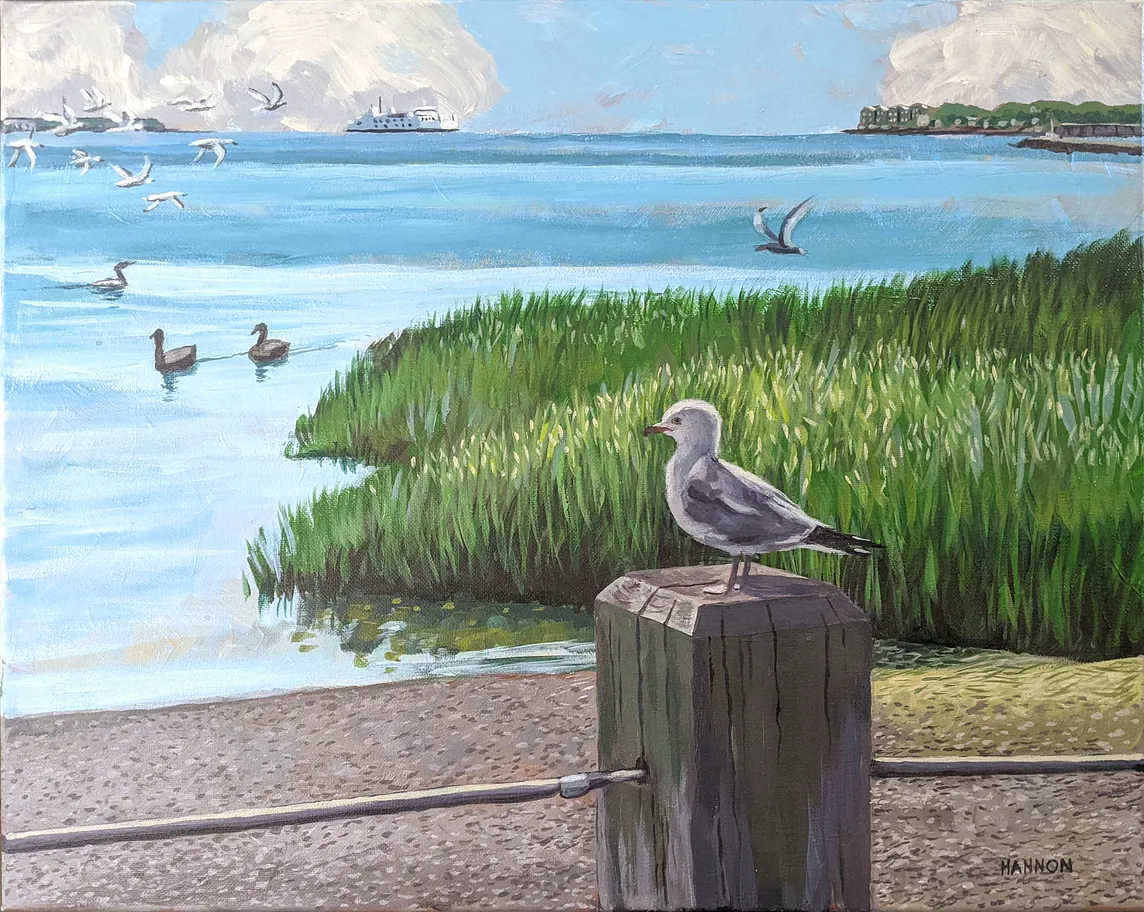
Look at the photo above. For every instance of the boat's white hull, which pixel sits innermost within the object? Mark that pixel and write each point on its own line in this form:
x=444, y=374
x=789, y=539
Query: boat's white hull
x=403, y=130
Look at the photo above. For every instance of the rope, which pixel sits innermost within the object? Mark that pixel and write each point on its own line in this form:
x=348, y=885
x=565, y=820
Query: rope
x=1005, y=766
x=574, y=786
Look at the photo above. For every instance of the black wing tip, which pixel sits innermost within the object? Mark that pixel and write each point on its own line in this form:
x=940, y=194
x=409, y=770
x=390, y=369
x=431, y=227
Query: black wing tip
x=841, y=542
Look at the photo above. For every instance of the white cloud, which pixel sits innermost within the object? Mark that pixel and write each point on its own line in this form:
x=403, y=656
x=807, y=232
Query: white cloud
x=331, y=57
x=1022, y=50
x=332, y=60
x=51, y=49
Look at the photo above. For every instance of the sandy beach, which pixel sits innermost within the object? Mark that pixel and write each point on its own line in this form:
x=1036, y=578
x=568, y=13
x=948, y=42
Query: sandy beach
x=938, y=843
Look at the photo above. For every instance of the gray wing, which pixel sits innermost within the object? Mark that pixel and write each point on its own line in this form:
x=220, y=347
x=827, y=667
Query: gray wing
x=762, y=227
x=258, y=96
x=792, y=219
x=741, y=507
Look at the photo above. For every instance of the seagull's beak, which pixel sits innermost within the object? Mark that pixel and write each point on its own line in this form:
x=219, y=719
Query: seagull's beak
x=655, y=429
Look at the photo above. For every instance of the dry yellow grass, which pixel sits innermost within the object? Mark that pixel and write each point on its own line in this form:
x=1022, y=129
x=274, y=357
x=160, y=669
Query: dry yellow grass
x=1048, y=706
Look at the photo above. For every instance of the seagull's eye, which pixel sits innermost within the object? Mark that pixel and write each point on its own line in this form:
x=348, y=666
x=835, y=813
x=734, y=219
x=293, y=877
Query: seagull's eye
x=677, y=421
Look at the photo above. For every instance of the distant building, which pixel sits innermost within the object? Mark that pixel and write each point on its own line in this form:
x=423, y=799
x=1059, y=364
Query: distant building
x=923, y=120
x=881, y=117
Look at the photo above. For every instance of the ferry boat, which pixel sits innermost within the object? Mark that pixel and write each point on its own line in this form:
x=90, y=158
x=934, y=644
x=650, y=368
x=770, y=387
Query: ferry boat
x=425, y=119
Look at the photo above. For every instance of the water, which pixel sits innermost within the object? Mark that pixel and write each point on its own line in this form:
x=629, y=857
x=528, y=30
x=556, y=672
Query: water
x=130, y=497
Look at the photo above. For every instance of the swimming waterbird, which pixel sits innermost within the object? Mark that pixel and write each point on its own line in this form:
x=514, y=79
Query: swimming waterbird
x=177, y=359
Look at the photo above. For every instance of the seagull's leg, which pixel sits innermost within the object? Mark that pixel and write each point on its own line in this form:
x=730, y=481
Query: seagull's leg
x=746, y=572
x=717, y=589
x=735, y=572
x=731, y=587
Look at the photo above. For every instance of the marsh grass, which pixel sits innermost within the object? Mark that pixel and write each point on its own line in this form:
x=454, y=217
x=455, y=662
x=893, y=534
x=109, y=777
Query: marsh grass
x=985, y=424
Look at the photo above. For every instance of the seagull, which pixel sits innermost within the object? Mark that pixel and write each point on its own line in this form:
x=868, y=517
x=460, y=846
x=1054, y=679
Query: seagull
x=116, y=282
x=96, y=101
x=26, y=146
x=216, y=145
x=134, y=180
x=201, y=105
x=128, y=123
x=193, y=104
x=83, y=161
x=725, y=507
x=265, y=103
x=174, y=196
x=781, y=242
x=66, y=123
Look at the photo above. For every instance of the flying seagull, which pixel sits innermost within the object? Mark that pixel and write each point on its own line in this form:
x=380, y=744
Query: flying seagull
x=96, y=101
x=174, y=196
x=83, y=161
x=66, y=123
x=194, y=104
x=116, y=282
x=134, y=180
x=265, y=102
x=128, y=123
x=26, y=147
x=214, y=144
x=727, y=508
x=782, y=242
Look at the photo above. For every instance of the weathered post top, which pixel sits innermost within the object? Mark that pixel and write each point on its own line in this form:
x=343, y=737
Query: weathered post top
x=751, y=712
x=675, y=596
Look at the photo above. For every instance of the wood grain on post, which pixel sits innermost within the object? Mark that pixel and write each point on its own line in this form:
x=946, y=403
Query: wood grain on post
x=751, y=713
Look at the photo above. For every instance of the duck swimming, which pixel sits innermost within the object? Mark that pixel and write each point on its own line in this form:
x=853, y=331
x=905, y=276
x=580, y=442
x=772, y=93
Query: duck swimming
x=116, y=282
x=267, y=349
x=177, y=359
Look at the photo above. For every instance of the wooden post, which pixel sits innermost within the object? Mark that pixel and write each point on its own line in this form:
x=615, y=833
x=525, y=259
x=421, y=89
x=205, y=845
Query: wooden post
x=751, y=713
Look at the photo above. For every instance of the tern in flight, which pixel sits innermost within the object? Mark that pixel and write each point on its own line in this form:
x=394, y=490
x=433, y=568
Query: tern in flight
x=25, y=147
x=66, y=123
x=174, y=196
x=215, y=145
x=117, y=282
x=265, y=102
x=782, y=242
x=143, y=176
x=128, y=123
x=96, y=101
x=83, y=161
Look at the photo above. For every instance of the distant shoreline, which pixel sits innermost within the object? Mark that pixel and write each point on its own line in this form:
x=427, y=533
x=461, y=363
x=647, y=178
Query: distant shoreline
x=942, y=131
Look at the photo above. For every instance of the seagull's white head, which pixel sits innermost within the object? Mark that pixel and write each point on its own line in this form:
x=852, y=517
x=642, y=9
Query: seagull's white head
x=691, y=423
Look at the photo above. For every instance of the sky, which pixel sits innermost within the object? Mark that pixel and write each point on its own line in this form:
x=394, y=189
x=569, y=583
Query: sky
x=701, y=66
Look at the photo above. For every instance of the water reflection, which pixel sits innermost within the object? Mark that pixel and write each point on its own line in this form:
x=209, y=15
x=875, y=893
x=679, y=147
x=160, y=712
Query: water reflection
x=262, y=369
x=171, y=381
x=401, y=626
x=107, y=294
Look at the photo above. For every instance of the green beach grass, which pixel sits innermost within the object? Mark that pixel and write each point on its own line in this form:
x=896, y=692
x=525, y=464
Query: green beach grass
x=986, y=424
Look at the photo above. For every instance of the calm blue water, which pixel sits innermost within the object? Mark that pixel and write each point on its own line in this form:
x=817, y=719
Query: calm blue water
x=129, y=499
